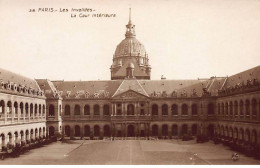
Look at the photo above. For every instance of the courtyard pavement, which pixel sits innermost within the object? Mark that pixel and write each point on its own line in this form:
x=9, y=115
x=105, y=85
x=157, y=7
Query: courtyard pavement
x=130, y=152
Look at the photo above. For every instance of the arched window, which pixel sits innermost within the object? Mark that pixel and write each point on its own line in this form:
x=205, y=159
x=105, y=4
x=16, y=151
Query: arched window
x=231, y=108
x=96, y=110
x=77, y=110
x=26, y=109
x=184, y=129
x=2, y=108
x=31, y=110
x=154, y=109
x=43, y=110
x=165, y=130
x=106, y=110
x=9, y=109
x=51, y=110
x=247, y=108
x=87, y=131
x=51, y=131
x=174, y=109
x=155, y=130
x=40, y=110
x=184, y=109
x=77, y=131
x=254, y=108
x=236, y=108
x=96, y=131
x=16, y=109
x=222, y=108
x=67, y=109
x=35, y=109
x=175, y=130
x=164, y=109
x=86, y=110
x=226, y=108
x=210, y=109
x=130, y=109
x=194, y=129
x=21, y=108
x=107, y=131
x=194, y=109
x=241, y=107
x=67, y=130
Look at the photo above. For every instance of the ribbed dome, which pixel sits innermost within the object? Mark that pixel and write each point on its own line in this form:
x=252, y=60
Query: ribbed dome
x=130, y=47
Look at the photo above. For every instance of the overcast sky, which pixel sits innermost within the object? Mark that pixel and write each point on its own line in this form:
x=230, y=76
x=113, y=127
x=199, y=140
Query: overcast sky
x=184, y=39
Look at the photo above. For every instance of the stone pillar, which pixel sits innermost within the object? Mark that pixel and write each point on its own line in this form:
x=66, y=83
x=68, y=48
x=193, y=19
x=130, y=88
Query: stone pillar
x=159, y=130
x=159, y=110
x=115, y=109
x=91, y=108
x=101, y=111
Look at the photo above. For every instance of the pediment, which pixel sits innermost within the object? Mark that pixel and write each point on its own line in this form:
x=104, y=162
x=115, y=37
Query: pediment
x=130, y=94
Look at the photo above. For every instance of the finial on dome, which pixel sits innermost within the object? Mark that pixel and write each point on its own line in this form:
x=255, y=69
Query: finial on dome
x=130, y=27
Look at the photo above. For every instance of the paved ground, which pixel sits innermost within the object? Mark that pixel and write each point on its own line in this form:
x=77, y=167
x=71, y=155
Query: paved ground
x=128, y=152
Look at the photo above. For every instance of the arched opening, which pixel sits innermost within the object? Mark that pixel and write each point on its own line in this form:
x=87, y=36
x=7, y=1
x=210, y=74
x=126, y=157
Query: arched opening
x=27, y=135
x=10, y=138
x=67, y=130
x=236, y=108
x=106, y=110
x=87, y=131
x=210, y=109
x=2, y=108
x=235, y=135
x=67, y=110
x=165, y=130
x=155, y=130
x=184, y=109
x=86, y=110
x=231, y=108
x=254, y=137
x=222, y=109
x=51, y=131
x=22, y=135
x=2, y=136
x=154, y=109
x=77, y=131
x=247, y=108
x=194, y=109
x=107, y=131
x=130, y=131
x=9, y=109
x=184, y=129
x=16, y=137
x=35, y=110
x=254, y=107
x=241, y=108
x=231, y=134
x=40, y=110
x=96, y=131
x=226, y=108
x=51, y=110
x=77, y=110
x=194, y=129
x=241, y=134
x=164, y=109
x=247, y=137
x=43, y=110
x=175, y=130
x=174, y=109
x=130, y=109
x=40, y=132
x=96, y=110
x=211, y=130
x=15, y=109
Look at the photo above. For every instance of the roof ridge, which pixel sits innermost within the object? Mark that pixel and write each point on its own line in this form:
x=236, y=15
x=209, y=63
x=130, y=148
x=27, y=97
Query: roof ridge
x=118, y=88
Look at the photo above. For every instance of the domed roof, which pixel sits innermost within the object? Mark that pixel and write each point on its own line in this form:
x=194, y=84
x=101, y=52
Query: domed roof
x=130, y=47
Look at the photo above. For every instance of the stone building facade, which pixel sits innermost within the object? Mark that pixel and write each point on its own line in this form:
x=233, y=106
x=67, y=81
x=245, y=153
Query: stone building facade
x=132, y=105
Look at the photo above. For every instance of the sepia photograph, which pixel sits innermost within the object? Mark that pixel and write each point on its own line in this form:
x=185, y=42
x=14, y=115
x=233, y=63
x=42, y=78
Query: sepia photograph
x=127, y=82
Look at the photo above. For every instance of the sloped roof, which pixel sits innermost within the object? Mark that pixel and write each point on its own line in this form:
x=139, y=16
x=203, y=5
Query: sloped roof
x=81, y=88
x=169, y=86
x=48, y=88
x=241, y=77
x=8, y=76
